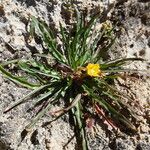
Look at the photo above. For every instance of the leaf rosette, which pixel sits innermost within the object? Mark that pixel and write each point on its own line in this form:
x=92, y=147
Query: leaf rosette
x=79, y=74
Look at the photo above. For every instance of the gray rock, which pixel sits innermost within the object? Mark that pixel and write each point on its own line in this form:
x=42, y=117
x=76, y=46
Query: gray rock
x=124, y=144
x=143, y=146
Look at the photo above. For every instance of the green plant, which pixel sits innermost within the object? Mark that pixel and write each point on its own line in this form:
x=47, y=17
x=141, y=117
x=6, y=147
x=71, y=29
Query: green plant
x=77, y=73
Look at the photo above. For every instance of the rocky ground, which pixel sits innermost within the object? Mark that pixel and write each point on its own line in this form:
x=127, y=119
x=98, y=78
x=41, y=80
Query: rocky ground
x=133, y=41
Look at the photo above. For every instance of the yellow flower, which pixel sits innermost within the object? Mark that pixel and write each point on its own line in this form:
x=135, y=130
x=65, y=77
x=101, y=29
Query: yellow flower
x=93, y=70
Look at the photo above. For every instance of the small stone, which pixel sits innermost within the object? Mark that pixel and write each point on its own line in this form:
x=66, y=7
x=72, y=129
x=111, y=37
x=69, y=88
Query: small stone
x=144, y=129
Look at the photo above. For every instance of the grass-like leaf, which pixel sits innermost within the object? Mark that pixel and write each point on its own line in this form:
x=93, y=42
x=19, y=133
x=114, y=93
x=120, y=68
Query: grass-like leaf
x=48, y=38
x=18, y=80
x=23, y=99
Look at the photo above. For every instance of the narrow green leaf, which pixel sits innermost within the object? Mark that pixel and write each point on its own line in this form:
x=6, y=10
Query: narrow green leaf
x=118, y=62
x=17, y=79
x=100, y=54
x=49, y=39
x=78, y=116
x=124, y=70
x=56, y=95
x=26, y=97
x=6, y=63
x=109, y=108
x=56, y=86
x=38, y=116
x=66, y=44
x=31, y=67
x=42, y=97
x=72, y=104
x=113, y=89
